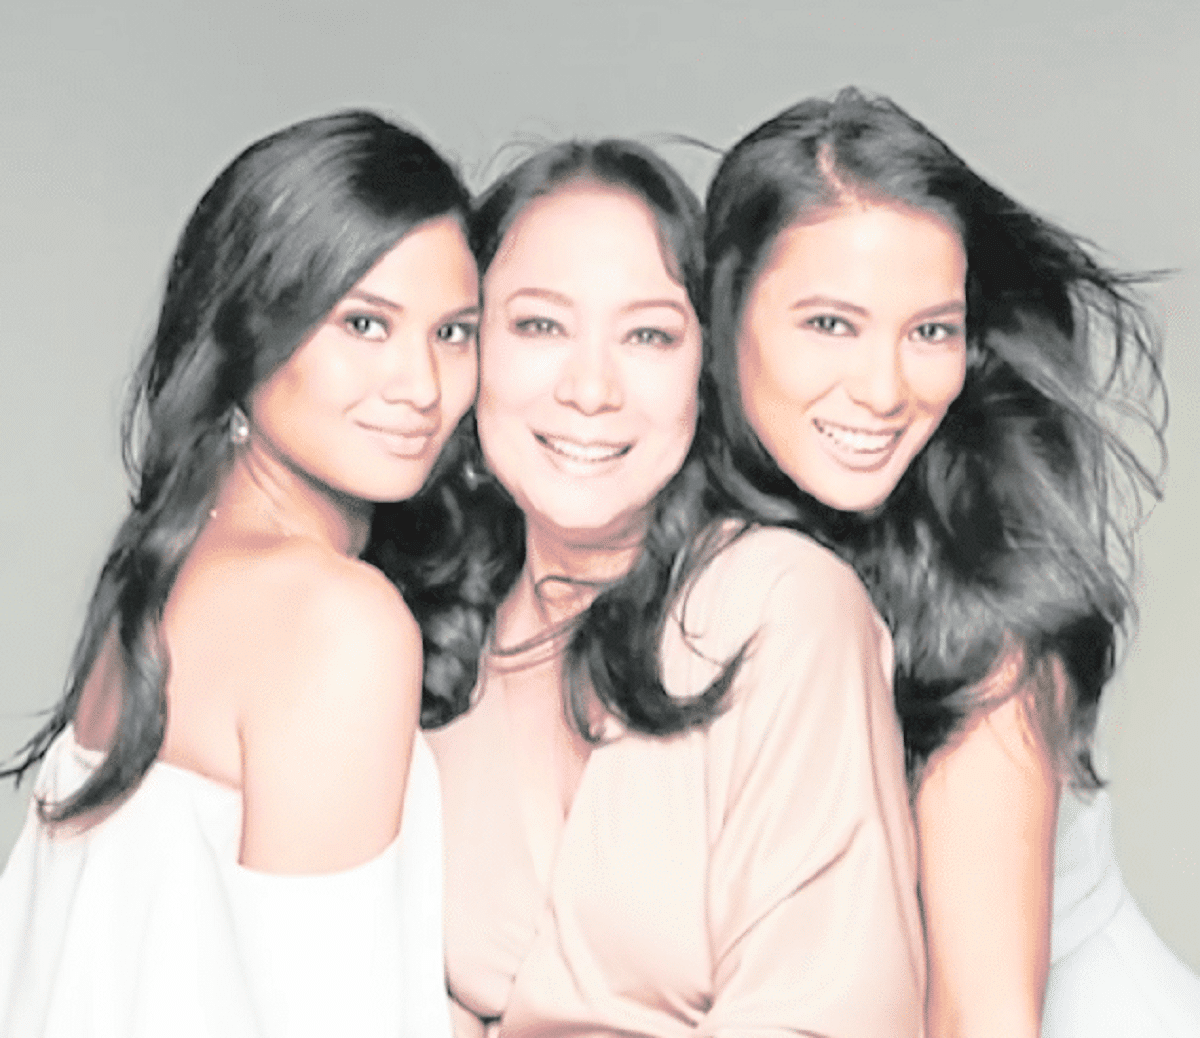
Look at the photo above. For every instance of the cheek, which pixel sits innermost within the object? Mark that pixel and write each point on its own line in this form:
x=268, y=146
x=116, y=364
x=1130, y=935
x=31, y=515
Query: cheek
x=459, y=379
x=777, y=378
x=937, y=381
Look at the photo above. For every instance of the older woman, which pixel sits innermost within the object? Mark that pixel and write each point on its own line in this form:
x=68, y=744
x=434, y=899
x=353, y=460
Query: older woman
x=675, y=803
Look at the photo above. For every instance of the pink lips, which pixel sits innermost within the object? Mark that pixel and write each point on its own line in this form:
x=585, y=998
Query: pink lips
x=402, y=441
x=583, y=452
x=856, y=447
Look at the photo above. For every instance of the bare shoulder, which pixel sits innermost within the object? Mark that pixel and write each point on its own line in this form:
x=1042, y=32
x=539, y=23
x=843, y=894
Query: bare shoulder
x=297, y=600
x=1002, y=740
x=327, y=719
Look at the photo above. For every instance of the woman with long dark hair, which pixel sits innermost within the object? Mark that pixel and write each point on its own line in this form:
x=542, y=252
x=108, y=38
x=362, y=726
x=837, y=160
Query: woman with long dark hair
x=234, y=830
x=927, y=377
x=673, y=784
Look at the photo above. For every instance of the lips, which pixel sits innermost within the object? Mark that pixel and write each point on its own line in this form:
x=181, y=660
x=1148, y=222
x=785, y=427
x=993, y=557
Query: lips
x=584, y=452
x=863, y=444
x=403, y=441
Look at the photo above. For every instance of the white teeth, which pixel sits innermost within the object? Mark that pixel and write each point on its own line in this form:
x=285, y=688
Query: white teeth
x=857, y=441
x=585, y=452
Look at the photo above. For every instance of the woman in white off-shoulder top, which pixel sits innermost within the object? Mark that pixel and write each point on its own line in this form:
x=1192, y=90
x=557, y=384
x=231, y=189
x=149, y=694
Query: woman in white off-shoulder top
x=236, y=826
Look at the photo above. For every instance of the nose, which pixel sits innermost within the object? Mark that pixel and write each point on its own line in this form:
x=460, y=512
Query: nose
x=590, y=378
x=876, y=378
x=411, y=375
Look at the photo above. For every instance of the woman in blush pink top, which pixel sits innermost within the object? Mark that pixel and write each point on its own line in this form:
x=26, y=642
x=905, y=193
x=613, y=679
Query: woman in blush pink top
x=674, y=797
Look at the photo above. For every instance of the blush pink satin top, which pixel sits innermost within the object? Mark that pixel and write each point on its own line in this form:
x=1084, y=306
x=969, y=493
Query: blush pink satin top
x=755, y=876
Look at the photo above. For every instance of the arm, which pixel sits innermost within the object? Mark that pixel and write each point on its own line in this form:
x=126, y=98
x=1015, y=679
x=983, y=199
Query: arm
x=986, y=812
x=327, y=737
x=813, y=906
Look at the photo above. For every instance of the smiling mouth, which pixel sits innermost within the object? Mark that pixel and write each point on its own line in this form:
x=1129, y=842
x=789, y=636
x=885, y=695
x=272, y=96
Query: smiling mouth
x=586, y=453
x=402, y=442
x=850, y=440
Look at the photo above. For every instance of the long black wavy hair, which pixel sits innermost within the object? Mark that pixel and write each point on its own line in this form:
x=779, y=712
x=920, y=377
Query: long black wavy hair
x=456, y=550
x=1009, y=535
x=279, y=237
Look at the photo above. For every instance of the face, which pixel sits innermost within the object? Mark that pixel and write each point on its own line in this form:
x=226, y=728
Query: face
x=589, y=364
x=853, y=346
x=366, y=403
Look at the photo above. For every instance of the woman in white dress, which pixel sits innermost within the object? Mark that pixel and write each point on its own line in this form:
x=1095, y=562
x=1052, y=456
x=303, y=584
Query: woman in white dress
x=235, y=829
x=843, y=241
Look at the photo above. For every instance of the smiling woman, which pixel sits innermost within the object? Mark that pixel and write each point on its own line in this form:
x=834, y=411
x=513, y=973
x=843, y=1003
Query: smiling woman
x=853, y=347
x=587, y=398
x=244, y=698
x=678, y=746
x=934, y=381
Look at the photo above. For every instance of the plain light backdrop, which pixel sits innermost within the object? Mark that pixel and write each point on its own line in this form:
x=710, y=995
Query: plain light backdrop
x=116, y=116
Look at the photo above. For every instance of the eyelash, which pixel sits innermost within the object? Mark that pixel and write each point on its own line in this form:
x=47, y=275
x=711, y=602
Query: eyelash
x=651, y=337
x=536, y=326
x=825, y=323
x=546, y=326
x=355, y=323
x=942, y=332
x=468, y=330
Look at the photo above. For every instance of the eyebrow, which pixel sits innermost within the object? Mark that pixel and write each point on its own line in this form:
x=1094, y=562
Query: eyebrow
x=953, y=306
x=463, y=311
x=653, y=304
x=540, y=293
x=370, y=297
x=562, y=300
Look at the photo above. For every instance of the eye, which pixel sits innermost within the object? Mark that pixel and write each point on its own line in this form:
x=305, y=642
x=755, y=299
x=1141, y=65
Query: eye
x=935, y=332
x=457, y=333
x=830, y=324
x=537, y=326
x=651, y=337
x=367, y=326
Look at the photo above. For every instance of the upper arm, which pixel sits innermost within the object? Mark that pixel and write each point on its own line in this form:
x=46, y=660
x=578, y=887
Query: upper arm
x=327, y=735
x=813, y=876
x=986, y=811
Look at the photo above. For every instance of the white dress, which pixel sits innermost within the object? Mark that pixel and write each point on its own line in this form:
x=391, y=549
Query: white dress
x=145, y=925
x=1110, y=974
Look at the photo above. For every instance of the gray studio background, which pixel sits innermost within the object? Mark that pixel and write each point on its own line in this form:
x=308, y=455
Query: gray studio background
x=115, y=120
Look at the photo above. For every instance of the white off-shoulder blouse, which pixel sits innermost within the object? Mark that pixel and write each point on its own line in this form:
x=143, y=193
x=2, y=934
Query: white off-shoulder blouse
x=145, y=926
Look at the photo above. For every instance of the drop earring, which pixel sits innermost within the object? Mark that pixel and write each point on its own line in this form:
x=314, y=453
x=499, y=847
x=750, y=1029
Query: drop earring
x=475, y=475
x=239, y=426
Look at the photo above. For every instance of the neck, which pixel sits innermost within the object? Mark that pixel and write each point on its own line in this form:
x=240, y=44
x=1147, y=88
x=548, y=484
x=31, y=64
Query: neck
x=561, y=578
x=264, y=493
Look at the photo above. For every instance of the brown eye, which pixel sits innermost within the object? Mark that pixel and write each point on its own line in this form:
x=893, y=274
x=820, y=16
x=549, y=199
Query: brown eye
x=935, y=332
x=457, y=333
x=537, y=326
x=367, y=326
x=830, y=324
x=651, y=337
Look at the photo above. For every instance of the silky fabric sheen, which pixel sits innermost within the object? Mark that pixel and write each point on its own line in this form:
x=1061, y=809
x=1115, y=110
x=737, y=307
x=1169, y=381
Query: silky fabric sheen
x=144, y=925
x=1111, y=976
x=754, y=876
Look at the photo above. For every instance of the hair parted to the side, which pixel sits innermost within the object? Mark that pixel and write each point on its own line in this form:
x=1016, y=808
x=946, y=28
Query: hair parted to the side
x=279, y=237
x=456, y=549
x=1010, y=535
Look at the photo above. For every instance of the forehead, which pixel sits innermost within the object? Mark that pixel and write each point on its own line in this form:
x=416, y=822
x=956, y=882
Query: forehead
x=855, y=234
x=582, y=224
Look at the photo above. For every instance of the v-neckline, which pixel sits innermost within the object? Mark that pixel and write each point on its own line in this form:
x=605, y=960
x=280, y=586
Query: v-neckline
x=544, y=847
